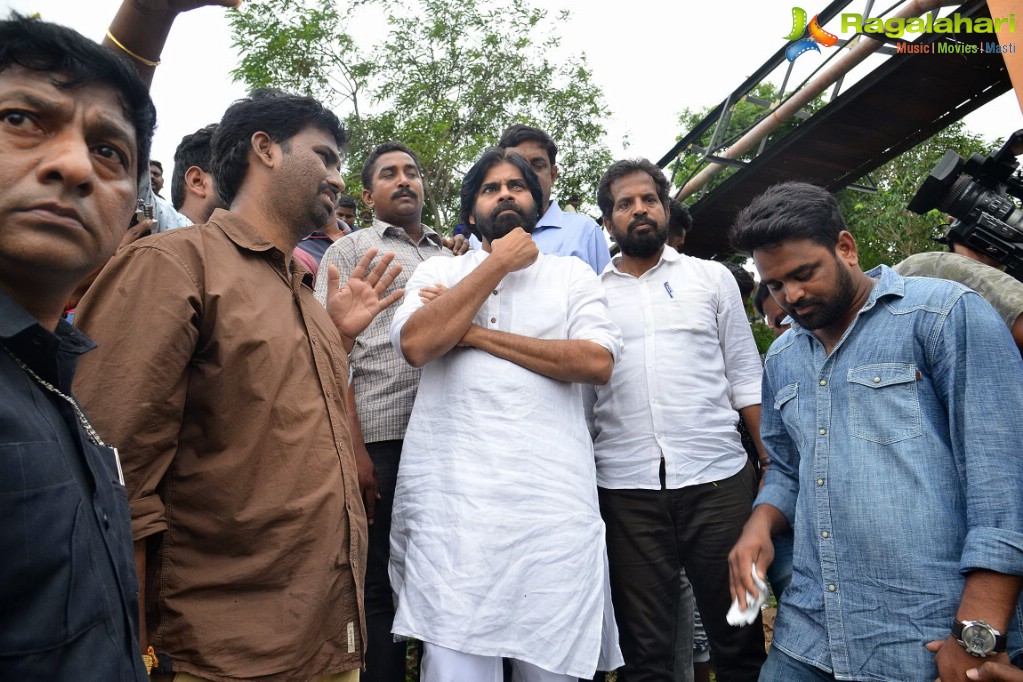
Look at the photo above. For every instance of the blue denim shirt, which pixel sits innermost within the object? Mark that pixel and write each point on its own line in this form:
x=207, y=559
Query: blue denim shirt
x=898, y=461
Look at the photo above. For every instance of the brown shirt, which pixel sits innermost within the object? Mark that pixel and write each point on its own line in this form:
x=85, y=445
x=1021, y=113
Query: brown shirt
x=222, y=382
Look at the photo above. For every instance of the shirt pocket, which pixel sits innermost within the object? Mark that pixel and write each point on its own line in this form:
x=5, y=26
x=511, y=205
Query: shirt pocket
x=690, y=314
x=786, y=402
x=48, y=586
x=884, y=405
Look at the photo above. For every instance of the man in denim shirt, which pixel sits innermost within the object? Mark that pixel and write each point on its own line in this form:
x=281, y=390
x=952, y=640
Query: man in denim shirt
x=891, y=416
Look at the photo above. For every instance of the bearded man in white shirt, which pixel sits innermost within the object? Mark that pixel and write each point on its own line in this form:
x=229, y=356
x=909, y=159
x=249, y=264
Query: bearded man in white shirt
x=675, y=485
x=497, y=546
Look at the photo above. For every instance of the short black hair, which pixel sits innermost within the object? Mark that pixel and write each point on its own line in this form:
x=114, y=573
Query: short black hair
x=346, y=201
x=195, y=149
x=474, y=179
x=679, y=219
x=280, y=115
x=380, y=150
x=618, y=170
x=517, y=133
x=791, y=210
x=759, y=297
x=72, y=62
x=154, y=162
x=742, y=278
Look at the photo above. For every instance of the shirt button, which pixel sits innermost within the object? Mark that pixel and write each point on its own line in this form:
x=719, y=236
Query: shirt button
x=823, y=432
x=877, y=380
x=825, y=535
x=495, y=292
x=832, y=588
x=824, y=382
x=106, y=521
x=493, y=320
x=820, y=481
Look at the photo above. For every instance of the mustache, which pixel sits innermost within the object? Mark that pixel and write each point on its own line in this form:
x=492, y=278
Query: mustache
x=801, y=303
x=327, y=187
x=507, y=206
x=641, y=220
x=404, y=192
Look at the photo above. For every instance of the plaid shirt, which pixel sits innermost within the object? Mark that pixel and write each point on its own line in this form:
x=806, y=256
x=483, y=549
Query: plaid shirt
x=385, y=385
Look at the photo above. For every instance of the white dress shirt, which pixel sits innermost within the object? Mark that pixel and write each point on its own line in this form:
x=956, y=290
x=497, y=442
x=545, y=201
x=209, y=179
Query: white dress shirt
x=497, y=544
x=688, y=365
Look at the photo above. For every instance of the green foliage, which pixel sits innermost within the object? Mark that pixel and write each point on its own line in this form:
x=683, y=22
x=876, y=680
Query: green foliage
x=446, y=81
x=762, y=334
x=885, y=231
x=744, y=115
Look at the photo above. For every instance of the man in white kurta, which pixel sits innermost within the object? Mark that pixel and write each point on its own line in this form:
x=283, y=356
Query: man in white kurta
x=497, y=545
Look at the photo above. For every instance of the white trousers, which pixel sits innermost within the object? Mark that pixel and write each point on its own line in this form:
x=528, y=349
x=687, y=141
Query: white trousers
x=445, y=665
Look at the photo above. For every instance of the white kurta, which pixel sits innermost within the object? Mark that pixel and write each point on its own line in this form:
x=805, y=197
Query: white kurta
x=497, y=545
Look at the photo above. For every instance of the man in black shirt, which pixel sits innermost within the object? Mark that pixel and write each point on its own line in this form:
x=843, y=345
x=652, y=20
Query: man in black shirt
x=76, y=124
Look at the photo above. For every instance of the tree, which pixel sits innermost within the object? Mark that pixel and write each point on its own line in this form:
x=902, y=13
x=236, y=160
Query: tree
x=743, y=115
x=448, y=78
x=885, y=231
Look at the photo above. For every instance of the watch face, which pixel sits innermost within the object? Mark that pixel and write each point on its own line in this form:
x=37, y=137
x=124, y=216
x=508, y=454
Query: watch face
x=978, y=640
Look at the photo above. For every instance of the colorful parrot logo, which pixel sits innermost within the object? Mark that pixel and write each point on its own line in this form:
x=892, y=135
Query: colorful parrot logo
x=817, y=35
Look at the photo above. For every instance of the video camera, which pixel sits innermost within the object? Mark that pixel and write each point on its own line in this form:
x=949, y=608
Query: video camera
x=974, y=193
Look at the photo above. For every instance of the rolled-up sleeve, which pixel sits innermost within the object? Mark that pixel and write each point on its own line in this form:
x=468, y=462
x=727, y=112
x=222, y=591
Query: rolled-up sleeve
x=143, y=311
x=980, y=375
x=742, y=361
x=425, y=275
x=588, y=315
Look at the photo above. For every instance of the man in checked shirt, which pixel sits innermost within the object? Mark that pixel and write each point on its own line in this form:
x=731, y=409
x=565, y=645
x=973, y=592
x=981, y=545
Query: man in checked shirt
x=383, y=384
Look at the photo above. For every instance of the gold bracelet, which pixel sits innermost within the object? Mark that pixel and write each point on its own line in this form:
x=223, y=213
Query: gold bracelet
x=150, y=660
x=139, y=58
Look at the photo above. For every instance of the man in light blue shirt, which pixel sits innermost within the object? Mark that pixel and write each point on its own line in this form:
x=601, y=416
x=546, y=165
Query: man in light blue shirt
x=891, y=417
x=557, y=233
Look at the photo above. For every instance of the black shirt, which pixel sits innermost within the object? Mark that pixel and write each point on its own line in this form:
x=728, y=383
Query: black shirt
x=68, y=591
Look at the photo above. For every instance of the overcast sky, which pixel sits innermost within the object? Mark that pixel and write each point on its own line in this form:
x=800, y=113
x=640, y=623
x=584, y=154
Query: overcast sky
x=651, y=58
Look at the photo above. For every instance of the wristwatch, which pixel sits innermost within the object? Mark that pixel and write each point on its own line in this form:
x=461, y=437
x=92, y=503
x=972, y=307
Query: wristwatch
x=978, y=638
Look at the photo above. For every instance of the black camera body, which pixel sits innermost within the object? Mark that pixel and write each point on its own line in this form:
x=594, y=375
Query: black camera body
x=976, y=193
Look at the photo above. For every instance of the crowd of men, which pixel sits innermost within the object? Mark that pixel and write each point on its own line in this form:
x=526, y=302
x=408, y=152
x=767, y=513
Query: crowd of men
x=271, y=447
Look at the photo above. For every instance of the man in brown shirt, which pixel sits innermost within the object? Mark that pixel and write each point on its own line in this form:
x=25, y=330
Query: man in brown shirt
x=222, y=380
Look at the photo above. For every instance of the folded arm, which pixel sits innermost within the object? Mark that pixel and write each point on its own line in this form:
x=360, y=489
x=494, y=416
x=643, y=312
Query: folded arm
x=577, y=361
x=439, y=326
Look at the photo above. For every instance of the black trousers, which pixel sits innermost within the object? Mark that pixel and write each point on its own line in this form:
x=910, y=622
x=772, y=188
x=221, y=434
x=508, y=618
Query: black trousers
x=385, y=658
x=651, y=534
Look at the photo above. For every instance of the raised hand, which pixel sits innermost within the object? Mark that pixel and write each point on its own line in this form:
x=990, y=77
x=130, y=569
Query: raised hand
x=353, y=306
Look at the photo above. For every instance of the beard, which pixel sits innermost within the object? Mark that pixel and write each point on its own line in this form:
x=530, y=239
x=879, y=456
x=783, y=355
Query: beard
x=828, y=311
x=505, y=217
x=643, y=244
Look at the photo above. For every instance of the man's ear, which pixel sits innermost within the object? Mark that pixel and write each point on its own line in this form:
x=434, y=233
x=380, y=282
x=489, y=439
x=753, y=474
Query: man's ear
x=846, y=249
x=367, y=198
x=554, y=173
x=197, y=183
x=265, y=149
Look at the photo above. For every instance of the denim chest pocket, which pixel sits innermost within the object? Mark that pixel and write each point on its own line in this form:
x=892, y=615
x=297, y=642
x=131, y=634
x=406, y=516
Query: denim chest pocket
x=884, y=405
x=786, y=402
